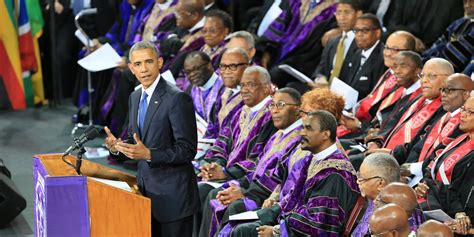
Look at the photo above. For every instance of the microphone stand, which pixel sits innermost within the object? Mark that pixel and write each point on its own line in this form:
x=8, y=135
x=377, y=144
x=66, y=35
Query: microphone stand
x=79, y=160
x=90, y=90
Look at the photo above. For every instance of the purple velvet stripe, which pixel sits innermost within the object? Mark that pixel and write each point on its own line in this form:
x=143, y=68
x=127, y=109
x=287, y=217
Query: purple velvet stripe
x=363, y=227
x=250, y=204
x=217, y=211
x=214, y=128
x=417, y=218
x=226, y=230
x=293, y=186
x=297, y=33
x=238, y=154
x=349, y=178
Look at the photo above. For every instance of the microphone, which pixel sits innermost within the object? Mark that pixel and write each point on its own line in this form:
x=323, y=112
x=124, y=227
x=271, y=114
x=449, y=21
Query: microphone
x=89, y=134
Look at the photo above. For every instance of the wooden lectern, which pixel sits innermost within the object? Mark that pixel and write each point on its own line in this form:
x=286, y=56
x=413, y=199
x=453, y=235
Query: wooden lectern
x=67, y=204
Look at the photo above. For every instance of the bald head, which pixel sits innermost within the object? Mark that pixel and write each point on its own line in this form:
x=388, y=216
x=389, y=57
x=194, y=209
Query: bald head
x=456, y=89
x=383, y=165
x=433, y=228
x=443, y=65
x=390, y=217
x=400, y=194
x=461, y=80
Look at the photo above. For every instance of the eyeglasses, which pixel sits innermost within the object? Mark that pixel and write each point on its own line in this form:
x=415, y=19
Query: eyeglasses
x=364, y=30
x=231, y=67
x=279, y=105
x=448, y=91
x=182, y=13
x=467, y=111
x=189, y=71
x=394, y=50
x=212, y=31
x=249, y=85
x=301, y=112
x=431, y=76
x=362, y=180
x=344, y=13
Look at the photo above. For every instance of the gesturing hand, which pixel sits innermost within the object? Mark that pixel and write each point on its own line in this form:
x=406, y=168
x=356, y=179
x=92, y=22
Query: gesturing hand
x=111, y=141
x=136, y=151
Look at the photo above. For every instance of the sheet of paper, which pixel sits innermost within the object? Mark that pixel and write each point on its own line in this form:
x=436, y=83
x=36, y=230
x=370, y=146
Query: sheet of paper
x=295, y=73
x=103, y=58
x=415, y=169
x=349, y=93
x=269, y=17
x=168, y=76
x=248, y=215
x=82, y=38
x=96, y=152
x=114, y=183
x=207, y=140
x=439, y=215
x=213, y=184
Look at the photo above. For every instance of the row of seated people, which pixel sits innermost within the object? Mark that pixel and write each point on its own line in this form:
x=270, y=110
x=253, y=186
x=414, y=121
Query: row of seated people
x=248, y=158
x=178, y=28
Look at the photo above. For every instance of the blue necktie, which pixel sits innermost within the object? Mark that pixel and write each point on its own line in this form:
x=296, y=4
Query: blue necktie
x=77, y=6
x=142, y=112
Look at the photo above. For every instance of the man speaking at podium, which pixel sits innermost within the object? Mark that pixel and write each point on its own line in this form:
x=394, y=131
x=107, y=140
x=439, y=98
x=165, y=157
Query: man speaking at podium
x=163, y=137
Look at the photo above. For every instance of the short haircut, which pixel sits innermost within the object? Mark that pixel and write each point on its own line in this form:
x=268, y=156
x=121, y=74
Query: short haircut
x=223, y=16
x=264, y=76
x=414, y=57
x=327, y=122
x=196, y=7
x=143, y=45
x=410, y=40
x=199, y=54
x=238, y=50
x=373, y=20
x=293, y=93
x=355, y=4
x=442, y=64
x=324, y=99
x=245, y=35
x=384, y=165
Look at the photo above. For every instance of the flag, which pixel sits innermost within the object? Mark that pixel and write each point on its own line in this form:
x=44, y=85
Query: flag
x=36, y=22
x=27, y=51
x=12, y=95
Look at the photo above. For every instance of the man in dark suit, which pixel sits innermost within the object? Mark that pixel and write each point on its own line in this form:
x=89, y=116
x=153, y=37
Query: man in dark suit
x=366, y=65
x=339, y=50
x=163, y=137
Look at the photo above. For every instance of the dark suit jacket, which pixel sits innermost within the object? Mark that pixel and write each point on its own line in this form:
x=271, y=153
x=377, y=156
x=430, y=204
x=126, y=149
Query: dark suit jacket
x=170, y=133
x=365, y=79
x=327, y=58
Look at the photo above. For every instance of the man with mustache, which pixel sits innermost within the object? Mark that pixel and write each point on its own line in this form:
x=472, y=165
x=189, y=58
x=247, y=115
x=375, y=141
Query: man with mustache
x=207, y=86
x=314, y=205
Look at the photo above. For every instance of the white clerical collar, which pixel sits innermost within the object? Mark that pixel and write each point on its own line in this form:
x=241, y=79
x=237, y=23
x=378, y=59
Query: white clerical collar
x=149, y=91
x=455, y=112
x=235, y=90
x=198, y=25
x=326, y=152
x=413, y=87
x=292, y=127
x=208, y=6
x=368, y=52
x=260, y=105
x=165, y=5
x=209, y=82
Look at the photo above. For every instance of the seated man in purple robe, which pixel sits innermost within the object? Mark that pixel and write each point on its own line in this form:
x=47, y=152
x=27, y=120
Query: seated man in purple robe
x=246, y=193
x=217, y=26
x=159, y=21
x=207, y=86
x=404, y=196
x=321, y=198
x=233, y=63
x=294, y=38
x=235, y=152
